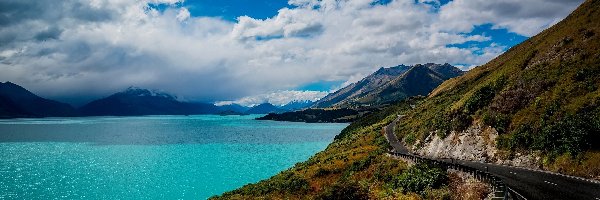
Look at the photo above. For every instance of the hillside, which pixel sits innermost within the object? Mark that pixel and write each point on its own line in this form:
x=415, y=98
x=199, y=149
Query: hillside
x=390, y=84
x=354, y=166
x=16, y=101
x=541, y=99
x=136, y=101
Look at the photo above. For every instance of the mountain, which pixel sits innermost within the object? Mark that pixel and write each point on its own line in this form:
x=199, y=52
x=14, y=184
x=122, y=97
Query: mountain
x=137, y=101
x=234, y=108
x=297, y=105
x=389, y=85
x=366, y=85
x=16, y=101
x=265, y=108
x=539, y=99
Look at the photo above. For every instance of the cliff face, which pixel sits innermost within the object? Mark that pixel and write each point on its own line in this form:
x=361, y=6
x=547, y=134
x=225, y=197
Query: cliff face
x=476, y=143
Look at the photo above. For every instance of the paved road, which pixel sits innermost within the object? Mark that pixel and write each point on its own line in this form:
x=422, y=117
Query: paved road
x=392, y=139
x=528, y=183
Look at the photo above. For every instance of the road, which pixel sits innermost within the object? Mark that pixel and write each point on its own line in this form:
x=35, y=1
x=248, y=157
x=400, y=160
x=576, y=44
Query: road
x=531, y=184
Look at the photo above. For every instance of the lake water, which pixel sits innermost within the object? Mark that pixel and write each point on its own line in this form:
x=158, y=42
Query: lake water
x=153, y=157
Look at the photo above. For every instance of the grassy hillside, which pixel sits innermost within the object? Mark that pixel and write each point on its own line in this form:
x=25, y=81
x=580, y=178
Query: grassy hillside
x=354, y=166
x=542, y=95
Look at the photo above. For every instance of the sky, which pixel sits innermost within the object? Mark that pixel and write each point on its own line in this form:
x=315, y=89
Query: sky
x=249, y=51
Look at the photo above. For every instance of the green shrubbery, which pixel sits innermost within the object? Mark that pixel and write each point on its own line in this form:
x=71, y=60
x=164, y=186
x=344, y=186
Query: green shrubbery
x=345, y=190
x=482, y=97
x=558, y=133
x=285, y=181
x=421, y=177
x=497, y=120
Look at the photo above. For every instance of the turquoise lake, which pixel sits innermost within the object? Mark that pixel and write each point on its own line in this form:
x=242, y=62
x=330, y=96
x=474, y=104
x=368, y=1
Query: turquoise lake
x=151, y=157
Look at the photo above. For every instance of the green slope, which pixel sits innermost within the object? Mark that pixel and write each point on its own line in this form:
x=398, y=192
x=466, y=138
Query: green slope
x=542, y=95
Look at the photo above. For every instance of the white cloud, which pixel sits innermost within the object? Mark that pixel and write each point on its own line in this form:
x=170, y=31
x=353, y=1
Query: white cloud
x=277, y=98
x=523, y=17
x=183, y=14
x=93, y=48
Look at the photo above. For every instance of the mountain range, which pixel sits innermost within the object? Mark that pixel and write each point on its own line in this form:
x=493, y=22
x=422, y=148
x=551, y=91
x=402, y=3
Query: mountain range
x=137, y=101
x=16, y=101
x=390, y=84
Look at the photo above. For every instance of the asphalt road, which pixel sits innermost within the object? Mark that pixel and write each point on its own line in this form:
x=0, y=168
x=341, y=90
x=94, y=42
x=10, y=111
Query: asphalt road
x=531, y=184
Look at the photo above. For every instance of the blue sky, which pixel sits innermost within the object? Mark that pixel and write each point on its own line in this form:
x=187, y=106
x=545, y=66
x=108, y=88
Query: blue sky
x=231, y=9
x=249, y=51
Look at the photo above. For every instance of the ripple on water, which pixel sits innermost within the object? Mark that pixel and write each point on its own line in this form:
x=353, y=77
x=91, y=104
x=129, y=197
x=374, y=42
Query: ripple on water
x=156, y=157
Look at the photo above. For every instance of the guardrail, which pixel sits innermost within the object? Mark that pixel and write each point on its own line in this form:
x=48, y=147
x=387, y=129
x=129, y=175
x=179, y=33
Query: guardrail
x=498, y=187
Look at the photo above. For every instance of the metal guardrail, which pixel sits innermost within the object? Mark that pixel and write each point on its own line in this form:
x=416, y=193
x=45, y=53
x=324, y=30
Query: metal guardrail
x=498, y=187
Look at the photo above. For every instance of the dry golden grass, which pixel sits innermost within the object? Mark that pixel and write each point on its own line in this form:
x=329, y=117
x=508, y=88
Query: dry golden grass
x=467, y=189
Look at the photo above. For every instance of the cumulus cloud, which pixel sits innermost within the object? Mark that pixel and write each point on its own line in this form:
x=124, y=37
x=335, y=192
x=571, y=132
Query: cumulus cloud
x=88, y=49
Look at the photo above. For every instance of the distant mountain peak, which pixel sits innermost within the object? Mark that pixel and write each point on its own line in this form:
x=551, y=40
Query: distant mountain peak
x=141, y=92
x=390, y=84
x=264, y=108
x=297, y=105
x=392, y=71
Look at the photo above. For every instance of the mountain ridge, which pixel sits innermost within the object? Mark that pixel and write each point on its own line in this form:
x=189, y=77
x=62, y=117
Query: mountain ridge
x=16, y=101
x=390, y=84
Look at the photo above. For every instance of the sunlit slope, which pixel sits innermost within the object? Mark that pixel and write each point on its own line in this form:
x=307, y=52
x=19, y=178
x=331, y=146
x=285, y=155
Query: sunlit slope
x=542, y=95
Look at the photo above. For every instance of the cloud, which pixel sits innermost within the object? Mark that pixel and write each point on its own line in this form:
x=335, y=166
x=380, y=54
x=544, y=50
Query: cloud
x=523, y=17
x=183, y=14
x=78, y=50
x=277, y=98
x=288, y=23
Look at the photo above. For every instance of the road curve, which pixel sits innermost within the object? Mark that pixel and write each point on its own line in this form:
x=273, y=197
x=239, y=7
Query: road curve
x=388, y=130
x=531, y=184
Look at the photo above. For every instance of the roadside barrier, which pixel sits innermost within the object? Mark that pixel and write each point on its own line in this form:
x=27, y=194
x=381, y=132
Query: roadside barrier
x=498, y=187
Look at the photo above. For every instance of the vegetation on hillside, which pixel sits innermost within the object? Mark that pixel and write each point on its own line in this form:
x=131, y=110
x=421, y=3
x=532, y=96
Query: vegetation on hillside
x=342, y=115
x=542, y=95
x=354, y=166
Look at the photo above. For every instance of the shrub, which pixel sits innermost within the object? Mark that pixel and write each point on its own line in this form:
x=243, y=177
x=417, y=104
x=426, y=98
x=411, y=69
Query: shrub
x=482, y=97
x=497, y=120
x=411, y=138
x=557, y=134
x=285, y=181
x=345, y=190
x=456, y=120
x=421, y=177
